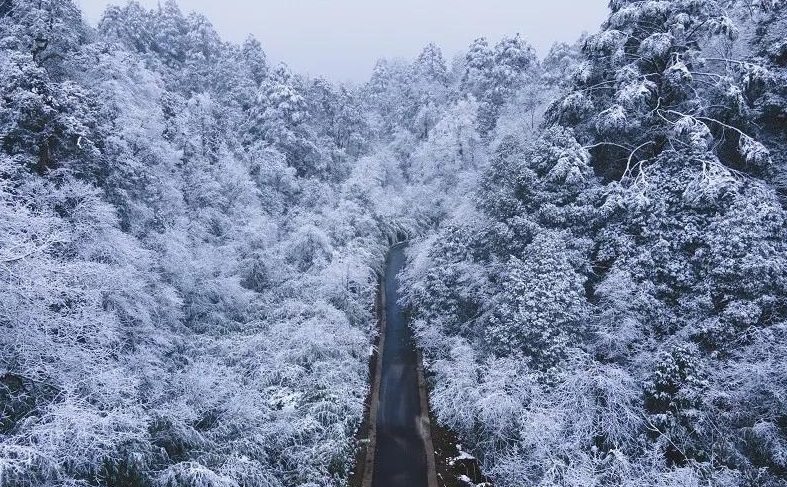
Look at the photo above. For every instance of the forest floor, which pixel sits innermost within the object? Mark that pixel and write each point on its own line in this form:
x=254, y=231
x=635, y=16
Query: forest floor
x=455, y=467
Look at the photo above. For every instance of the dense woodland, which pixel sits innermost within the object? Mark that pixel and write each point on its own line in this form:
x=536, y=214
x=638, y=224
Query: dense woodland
x=191, y=237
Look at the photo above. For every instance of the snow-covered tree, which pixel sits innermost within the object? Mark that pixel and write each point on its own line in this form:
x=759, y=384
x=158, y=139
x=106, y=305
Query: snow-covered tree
x=279, y=117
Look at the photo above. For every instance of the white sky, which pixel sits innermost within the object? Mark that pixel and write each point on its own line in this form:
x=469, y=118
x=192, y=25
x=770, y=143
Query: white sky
x=342, y=39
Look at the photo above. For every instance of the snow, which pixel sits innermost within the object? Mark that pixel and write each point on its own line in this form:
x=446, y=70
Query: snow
x=191, y=241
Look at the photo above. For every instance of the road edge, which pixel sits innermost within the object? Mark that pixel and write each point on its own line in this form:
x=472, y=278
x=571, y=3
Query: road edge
x=368, y=472
x=425, y=423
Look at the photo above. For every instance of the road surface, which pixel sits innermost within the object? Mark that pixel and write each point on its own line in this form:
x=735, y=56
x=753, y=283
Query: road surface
x=400, y=459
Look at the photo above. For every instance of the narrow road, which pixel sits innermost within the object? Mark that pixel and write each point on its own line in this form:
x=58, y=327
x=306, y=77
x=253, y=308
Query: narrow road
x=402, y=423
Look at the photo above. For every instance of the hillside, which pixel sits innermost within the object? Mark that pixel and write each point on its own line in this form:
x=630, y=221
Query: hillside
x=191, y=240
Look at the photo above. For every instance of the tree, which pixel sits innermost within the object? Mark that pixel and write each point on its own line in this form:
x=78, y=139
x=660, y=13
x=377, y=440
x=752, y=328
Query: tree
x=279, y=117
x=50, y=124
x=561, y=63
x=51, y=31
x=170, y=29
x=255, y=59
x=541, y=307
x=129, y=25
x=644, y=75
x=453, y=148
x=80, y=304
x=479, y=61
x=430, y=65
x=494, y=76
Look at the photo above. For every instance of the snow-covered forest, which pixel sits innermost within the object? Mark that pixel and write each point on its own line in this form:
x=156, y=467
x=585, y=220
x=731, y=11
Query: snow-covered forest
x=191, y=239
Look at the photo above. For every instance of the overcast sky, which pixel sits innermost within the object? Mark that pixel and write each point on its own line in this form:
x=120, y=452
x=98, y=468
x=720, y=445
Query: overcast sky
x=341, y=39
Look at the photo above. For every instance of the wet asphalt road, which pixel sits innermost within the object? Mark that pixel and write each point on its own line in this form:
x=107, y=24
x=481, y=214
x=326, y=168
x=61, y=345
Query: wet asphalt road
x=400, y=460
